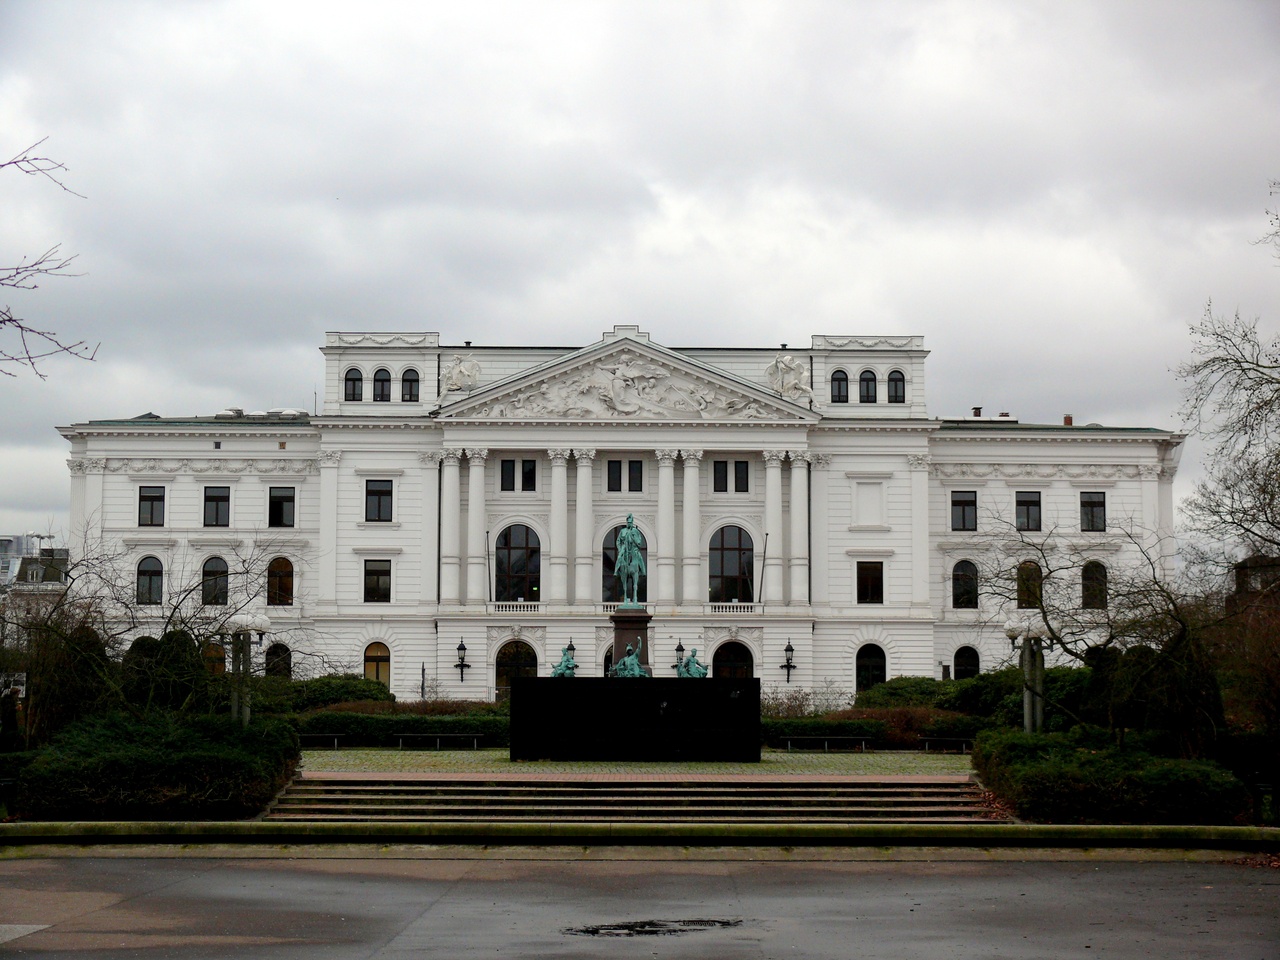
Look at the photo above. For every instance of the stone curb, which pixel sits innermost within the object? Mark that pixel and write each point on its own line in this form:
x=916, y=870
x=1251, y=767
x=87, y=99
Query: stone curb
x=1246, y=839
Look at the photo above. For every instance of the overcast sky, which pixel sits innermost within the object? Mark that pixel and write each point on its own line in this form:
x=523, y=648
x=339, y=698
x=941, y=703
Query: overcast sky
x=1047, y=192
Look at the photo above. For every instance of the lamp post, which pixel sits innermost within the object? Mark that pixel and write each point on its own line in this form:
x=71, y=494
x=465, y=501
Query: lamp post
x=790, y=652
x=1029, y=637
x=679, y=657
x=243, y=626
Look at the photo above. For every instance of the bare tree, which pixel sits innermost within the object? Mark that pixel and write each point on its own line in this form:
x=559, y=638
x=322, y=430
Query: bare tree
x=1233, y=397
x=23, y=345
x=1273, y=216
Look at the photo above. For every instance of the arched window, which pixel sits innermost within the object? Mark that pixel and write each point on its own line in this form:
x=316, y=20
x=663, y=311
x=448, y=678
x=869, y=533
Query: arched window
x=733, y=661
x=1030, y=585
x=867, y=387
x=732, y=562
x=839, y=387
x=517, y=561
x=409, y=386
x=377, y=663
x=213, y=582
x=964, y=585
x=215, y=658
x=966, y=663
x=1093, y=586
x=150, y=581
x=871, y=667
x=611, y=586
x=515, y=659
x=279, y=661
x=280, y=583
x=353, y=385
x=382, y=386
x=897, y=387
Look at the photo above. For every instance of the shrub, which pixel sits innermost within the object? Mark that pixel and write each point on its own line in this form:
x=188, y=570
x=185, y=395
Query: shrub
x=159, y=766
x=283, y=695
x=380, y=730
x=1072, y=779
x=902, y=692
x=773, y=731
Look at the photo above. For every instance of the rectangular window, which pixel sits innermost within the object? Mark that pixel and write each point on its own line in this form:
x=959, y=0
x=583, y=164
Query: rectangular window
x=507, y=475
x=377, y=501
x=217, y=506
x=635, y=476
x=280, y=502
x=741, y=475
x=1027, y=509
x=614, y=479
x=528, y=475
x=720, y=476
x=964, y=509
x=1093, y=512
x=870, y=581
x=151, y=506
x=377, y=581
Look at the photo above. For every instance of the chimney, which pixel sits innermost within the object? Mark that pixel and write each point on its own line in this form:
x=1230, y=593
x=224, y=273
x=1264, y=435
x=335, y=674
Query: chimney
x=977, y=411
x=1066, y=420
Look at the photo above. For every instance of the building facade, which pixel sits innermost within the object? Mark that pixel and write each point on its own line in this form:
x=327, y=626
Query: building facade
x=467, y=497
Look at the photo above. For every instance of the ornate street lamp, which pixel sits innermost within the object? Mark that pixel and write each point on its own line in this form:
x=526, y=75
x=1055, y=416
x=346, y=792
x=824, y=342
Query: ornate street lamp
x=462, y=666
x=790, y=652
x=679, y=657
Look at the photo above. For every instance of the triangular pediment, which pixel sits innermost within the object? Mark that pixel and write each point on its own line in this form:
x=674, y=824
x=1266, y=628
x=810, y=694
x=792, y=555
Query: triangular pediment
x=624, y=379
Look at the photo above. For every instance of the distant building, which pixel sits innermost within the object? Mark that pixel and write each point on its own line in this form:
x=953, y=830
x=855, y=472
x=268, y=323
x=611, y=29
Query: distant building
x=460, y=496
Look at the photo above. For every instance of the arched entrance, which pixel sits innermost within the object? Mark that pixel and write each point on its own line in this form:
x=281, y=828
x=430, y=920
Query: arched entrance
x=733, y=661
x=515, y=659
x=871, y=666
x=967, y=663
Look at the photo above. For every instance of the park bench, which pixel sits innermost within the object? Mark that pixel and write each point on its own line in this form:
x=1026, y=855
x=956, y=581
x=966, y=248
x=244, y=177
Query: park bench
x=455, y=741
x=827, y=744
x=960, y=744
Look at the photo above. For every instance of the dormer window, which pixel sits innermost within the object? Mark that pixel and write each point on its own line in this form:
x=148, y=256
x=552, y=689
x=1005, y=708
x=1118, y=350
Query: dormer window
x=867, y=387
x=839, y=387
x=353, y=386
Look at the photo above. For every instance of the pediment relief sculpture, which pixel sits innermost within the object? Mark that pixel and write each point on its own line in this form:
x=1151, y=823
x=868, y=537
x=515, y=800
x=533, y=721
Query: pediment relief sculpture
x=624, y=385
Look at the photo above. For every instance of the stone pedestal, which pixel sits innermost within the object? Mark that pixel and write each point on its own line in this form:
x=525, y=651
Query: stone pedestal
x=631, y=627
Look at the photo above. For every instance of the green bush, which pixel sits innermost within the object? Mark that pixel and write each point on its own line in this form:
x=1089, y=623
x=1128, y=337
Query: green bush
x=283, y=695
x=160, y=766
x=380, y=730
x=903, y=692
x=1058, y=778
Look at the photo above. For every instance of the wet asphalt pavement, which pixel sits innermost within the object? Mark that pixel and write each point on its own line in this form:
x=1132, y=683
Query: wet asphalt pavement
x=347, y=908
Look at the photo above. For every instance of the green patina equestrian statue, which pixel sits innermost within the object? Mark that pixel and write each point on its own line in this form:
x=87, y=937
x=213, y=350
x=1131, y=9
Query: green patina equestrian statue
x=629, y=566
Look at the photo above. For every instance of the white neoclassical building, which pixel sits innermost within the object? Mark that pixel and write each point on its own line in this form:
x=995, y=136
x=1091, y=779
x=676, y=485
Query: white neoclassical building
x=450, y=496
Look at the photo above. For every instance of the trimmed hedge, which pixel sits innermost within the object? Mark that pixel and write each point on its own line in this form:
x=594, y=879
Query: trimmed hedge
x=1056, y=778
x=161, y=766
x=379, y=730
x=283, y=695
x=774, y=730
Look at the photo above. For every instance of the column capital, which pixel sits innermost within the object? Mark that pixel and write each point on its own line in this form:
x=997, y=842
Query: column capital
x=799, y=456
x=583, y=456
x=773, y=458
x=919, y=461
x=691, y=456
x=559, y=457
x=477, y=454
x=330, y=458
x=451, y=455
x=431, y=458
x=819, y=461
x=666, y=458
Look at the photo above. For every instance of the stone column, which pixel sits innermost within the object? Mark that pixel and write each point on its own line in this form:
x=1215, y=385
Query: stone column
x=430, y=525
x=477, y=561
x=819, y=530
x=327, y=585
x=450, y=529
x=920, y=556
x=584, y=527
x=558, y=575
x=799, y=543
x=775, y=549
x=666, y=592
x=694, y=585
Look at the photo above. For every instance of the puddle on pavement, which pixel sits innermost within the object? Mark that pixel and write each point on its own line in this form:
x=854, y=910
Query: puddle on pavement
x=650, y=928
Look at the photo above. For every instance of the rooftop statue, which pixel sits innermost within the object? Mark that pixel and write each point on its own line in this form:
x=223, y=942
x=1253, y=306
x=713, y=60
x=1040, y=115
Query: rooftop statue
x=629, y=566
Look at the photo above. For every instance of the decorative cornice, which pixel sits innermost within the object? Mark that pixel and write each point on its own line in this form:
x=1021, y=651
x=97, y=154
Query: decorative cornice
x=1037, y=471
x=383, y=340
x=867, y=343
x=173, y=465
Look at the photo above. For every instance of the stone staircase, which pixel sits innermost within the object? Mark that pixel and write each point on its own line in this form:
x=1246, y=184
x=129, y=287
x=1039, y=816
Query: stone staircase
x=373, y=799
